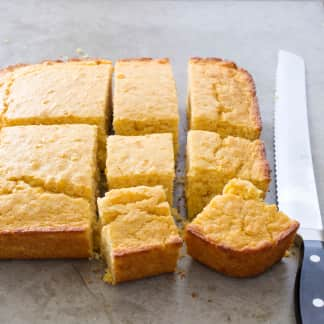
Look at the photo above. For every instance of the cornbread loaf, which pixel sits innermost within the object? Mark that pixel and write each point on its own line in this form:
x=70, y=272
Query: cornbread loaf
x=38, y=224
x=145, y=98
x=56, y=92
x=238, y=234
x=58, y=158
x=222, y=98
x=141, y=160
x=213, y=161
x=139, y=237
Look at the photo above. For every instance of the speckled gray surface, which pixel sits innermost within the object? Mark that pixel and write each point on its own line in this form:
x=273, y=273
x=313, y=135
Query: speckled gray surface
x=247, y=32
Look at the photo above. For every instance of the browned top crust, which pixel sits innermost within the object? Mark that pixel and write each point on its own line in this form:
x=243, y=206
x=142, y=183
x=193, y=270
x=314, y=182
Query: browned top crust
x=216, y=60
x=232, y=65
x=119, y=253
x=14, y=67
x=145, y=59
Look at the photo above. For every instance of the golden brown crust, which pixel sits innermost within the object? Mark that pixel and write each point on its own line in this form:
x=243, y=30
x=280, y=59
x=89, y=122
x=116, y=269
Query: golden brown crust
x=246, y=262
x=216, y=60
x=157, y=260
x=176, y=242
x=266, y=165
x=11, y=68
x=145, y=59
x=14, y=67
x=46, y=243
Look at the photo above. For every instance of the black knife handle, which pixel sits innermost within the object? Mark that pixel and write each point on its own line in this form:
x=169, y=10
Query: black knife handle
x=309, y=288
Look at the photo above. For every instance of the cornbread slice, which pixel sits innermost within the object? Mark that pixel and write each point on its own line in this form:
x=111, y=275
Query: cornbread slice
x=36, y=224
x=139, y=237
x=141, y=160
x=222, y=98
x=55, y=92
x=145, y=98
x=239, y=235
x=59, y=158
x=213, y=161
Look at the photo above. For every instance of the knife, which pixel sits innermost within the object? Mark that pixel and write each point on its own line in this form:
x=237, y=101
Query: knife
x=296, y=187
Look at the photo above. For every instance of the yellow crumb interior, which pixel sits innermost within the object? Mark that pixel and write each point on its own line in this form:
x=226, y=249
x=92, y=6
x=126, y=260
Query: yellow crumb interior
x=26, y=208
x=232, y=221
x=243, y=188
x=213, y=161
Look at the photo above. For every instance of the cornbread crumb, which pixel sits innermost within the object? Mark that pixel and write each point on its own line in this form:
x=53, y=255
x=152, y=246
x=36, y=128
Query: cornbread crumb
x=243, y=188
x=213, y=161
x=194, y=294
x=139, y=237
x=141, y=160
x=145, y=99
x=222, y=98
x=181, y=273
x=239, y=236
x=108, y=278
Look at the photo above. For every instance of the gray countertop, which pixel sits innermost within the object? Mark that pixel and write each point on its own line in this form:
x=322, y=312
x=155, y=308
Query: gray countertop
x=249, y=33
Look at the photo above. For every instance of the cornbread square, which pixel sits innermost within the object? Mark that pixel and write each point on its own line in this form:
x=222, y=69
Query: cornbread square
x=58, y=158
x=145, y=98
x=141, y=160
x=238, y=234
x=139, y=237
x=222, y=98
x=213, y=161
x=37, y=224
x=55, y=92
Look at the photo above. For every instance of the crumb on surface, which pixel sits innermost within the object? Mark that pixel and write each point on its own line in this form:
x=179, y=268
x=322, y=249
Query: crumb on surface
x=194, y=294
x=108, y=277
x=95, y=256
x=181, y=273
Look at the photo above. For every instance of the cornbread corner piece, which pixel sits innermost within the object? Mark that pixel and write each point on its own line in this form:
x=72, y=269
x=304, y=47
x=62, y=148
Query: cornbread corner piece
x=213, y=161
x=139, y=237
x=222, y=98
x=239, y=237
x=58, y=158
x=36, y=224
x=141, y=160
x=56, y=92
x=145, y=98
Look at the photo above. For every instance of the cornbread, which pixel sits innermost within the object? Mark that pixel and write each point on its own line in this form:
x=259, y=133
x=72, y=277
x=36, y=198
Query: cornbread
x=213, y=161
x=145, y=98
x=141, y=160
x=222, y=98
x=55, y=92
x=58, y=158
x=37, y=224
x=139, y=237
x=238, y=235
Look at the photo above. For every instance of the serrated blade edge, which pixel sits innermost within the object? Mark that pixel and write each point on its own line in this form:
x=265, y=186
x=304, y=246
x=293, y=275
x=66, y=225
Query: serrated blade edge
x=295, y=181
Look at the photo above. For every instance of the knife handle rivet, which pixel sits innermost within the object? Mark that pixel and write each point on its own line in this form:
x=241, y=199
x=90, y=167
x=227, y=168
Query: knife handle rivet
x=315, y=258
x=318, y=302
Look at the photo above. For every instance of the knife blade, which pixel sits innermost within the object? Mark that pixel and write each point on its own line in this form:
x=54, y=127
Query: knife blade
x=295, y=183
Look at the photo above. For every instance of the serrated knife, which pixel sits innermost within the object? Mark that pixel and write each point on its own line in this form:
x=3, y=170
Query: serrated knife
x=296, y=187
